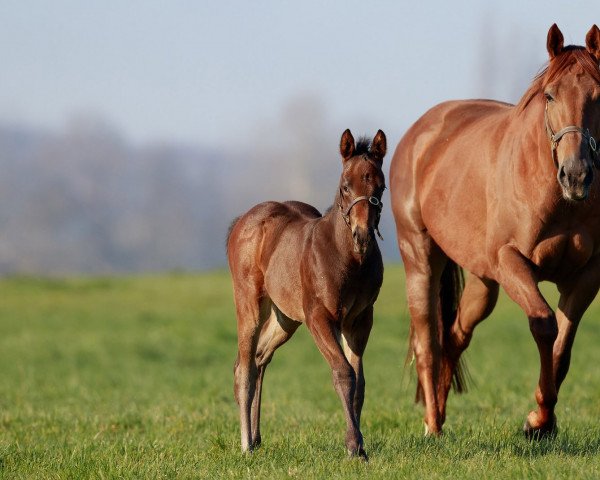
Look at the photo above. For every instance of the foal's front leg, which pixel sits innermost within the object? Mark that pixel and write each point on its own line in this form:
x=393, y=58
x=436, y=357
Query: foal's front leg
x=325, y=331
x=518, y=280
x=355, y=338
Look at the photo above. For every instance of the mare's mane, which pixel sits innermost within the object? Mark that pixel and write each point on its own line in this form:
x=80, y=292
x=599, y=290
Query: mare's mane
x=559, y=65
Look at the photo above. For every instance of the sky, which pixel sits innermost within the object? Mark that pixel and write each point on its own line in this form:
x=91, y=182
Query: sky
x=208, y=72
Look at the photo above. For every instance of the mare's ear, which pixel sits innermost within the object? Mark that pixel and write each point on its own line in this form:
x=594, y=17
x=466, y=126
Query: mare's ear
x=347, y=145
x=592, y=42
x=555, y=41
x=378, y=146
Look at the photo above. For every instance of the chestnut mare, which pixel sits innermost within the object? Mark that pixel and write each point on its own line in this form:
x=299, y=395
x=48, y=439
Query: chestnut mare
x=509, y=194
x=291, y=265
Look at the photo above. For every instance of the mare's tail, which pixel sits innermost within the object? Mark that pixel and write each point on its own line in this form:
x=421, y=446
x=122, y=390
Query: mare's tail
x=451, y=288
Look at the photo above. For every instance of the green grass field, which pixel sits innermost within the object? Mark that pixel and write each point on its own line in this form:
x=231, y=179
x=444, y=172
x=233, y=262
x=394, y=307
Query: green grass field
x=132, y=378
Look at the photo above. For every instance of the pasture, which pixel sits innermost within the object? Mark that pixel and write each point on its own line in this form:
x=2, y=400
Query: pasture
x=131, y=377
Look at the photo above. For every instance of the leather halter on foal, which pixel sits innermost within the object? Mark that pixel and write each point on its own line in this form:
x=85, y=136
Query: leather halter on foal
x=555, y=138
x=372, y=200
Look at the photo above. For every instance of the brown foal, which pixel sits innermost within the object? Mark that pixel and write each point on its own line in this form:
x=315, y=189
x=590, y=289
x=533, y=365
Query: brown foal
x=291, y=265
x=509, y=193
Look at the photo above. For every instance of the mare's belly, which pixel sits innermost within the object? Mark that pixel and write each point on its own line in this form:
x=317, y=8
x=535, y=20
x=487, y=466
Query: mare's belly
x=560, y=255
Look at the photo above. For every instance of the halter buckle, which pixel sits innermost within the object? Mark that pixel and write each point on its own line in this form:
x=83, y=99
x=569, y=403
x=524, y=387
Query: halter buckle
x=374, y=201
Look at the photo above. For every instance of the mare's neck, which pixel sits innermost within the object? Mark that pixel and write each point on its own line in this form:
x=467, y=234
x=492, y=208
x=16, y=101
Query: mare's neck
x=531, y=166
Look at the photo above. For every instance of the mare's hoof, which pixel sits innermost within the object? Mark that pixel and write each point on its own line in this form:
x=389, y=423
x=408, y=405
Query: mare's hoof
x=432, y=433
x=537, y=433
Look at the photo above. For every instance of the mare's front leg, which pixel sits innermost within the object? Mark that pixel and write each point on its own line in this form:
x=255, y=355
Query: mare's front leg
x=355, y=337
x=575, y=298
x=325, y=330
x=516, y=276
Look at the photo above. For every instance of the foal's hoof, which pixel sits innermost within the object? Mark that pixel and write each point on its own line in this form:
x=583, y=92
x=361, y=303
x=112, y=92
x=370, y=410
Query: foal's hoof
x=532, y=432
x=256, y=443
x=360, y=454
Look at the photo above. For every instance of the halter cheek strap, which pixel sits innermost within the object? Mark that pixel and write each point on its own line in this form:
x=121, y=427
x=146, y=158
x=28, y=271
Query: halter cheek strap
x=555, y=138
x=373, y=201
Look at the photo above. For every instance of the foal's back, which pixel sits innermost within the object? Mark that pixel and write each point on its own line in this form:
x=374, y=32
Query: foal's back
x=266, y=245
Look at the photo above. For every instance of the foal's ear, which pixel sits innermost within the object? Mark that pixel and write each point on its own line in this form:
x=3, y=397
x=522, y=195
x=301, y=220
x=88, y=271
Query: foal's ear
x=555, y=41
x=378, y=146
x=347, y=145
x=592, y=42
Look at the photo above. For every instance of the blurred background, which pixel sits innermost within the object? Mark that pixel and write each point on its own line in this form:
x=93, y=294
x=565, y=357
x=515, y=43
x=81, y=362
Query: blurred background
x=132, y=133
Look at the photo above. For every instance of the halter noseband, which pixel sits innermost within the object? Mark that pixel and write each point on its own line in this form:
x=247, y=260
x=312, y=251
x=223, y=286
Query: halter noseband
x=372, y=200
x=555, y=138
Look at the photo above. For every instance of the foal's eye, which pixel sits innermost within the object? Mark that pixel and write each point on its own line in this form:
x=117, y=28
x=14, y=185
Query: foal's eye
x=549, y=96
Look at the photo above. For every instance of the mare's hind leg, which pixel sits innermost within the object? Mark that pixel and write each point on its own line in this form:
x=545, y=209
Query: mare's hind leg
x=252, y=311
x=477, y=302
x=277, y=330
x=354, y=342
x=424, y=263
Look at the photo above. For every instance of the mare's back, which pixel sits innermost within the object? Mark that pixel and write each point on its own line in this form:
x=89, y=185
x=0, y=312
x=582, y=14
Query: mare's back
x=458, y=118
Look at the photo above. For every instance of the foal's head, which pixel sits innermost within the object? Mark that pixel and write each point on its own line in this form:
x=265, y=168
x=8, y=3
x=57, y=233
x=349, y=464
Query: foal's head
x=571, y=87
x=361, y=185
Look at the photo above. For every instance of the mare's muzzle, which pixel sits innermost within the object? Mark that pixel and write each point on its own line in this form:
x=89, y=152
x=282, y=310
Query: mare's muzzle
x=575, y=176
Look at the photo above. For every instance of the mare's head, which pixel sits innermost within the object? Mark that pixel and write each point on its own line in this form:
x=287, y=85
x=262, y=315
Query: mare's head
x=361, y=185
x=571, y=89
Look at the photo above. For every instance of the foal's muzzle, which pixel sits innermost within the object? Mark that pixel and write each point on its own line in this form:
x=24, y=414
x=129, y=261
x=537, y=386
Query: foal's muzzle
x=362, y=238
x=575, y=176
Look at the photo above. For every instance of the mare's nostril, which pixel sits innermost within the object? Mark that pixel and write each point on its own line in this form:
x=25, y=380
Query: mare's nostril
x=561, y=173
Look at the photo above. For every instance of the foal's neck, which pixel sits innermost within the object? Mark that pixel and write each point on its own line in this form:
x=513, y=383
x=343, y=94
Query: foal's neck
x=340, y=232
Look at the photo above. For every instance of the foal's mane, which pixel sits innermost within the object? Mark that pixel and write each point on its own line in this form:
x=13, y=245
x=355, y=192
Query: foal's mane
x=362, y=146
x=559, y=65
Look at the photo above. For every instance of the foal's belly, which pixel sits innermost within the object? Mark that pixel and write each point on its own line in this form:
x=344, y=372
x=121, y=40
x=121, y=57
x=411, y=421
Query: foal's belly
x=560, y=255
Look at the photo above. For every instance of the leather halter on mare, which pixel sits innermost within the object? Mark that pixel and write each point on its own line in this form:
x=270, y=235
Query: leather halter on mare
x=555, y=138
x=372, y=200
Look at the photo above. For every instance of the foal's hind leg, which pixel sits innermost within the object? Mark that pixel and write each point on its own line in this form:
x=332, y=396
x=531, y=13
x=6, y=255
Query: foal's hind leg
x=252, y=311
x=424, y=263
x=477, y=302
x=277, y=330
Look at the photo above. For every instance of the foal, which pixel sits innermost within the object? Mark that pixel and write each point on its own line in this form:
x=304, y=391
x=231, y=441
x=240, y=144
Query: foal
x=291, y=265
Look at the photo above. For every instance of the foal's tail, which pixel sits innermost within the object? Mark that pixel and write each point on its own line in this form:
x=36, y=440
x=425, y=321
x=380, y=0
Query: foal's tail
x=451, y=288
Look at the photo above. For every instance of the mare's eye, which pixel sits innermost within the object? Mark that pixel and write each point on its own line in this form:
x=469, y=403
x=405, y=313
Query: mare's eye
x=549, y=97
x=346, y=189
